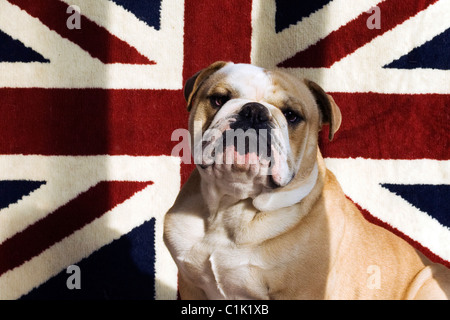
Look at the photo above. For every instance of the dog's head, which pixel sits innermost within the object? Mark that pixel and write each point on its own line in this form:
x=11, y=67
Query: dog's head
x=255, y=131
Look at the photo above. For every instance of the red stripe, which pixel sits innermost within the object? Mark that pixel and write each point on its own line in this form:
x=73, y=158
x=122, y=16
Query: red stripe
x=391, y=126
x=216, y=30
x=141, y=122
x=427, y=252
x=69, y=218
x=355, y=34
x=210, y=35
x=90, y=121
x=97, y=41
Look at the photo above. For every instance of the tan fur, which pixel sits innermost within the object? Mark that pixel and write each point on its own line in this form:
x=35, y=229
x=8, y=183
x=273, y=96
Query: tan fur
x=318, y=248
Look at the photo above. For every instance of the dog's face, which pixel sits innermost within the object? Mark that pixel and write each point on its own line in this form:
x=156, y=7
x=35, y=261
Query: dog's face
x=255, y=130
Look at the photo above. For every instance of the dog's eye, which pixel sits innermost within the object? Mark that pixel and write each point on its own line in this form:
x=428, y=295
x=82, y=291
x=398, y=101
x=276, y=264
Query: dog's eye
x=217, y=101
x=292, y=117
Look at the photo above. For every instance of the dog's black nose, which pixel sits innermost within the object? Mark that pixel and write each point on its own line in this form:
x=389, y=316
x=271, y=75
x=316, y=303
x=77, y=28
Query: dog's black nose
x=254, y=113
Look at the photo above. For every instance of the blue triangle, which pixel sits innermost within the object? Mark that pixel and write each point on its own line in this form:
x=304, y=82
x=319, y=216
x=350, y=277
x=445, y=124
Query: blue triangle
x=148, y=11
x=11, y=191
x=432, y=199
x=12, y=50
x=290, y=12
x=434, y=54
x=124, y=269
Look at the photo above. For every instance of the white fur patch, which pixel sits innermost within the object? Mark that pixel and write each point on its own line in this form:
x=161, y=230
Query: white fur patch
x=251, y=81
x=273, y=201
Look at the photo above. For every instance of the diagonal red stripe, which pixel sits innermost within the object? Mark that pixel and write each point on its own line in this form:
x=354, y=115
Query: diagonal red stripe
x=355, y=34
x=97, y=41
x=69, y=218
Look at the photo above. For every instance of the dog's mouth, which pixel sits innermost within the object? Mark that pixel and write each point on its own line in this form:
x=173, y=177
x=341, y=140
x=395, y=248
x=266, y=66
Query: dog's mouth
x=245, y=152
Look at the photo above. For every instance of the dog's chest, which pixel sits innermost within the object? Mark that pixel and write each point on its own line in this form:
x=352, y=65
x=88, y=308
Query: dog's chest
x=223, y=269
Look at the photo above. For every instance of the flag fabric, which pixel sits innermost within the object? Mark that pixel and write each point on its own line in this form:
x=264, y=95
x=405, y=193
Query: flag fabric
x=91, y=92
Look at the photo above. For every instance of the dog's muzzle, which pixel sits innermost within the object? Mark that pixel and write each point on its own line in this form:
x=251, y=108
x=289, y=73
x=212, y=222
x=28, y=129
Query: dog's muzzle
x=249, y=141
x=252, y=115
x=252, y=131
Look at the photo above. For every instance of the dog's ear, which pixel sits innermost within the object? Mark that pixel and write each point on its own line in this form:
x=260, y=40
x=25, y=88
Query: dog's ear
x=193, y=83
x=330, y=111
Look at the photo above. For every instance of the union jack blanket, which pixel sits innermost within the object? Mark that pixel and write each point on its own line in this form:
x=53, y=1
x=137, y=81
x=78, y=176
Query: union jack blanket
x=91, y=91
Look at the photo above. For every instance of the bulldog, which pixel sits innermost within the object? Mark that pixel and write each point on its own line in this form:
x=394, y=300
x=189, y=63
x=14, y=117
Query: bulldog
x=261, y=217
